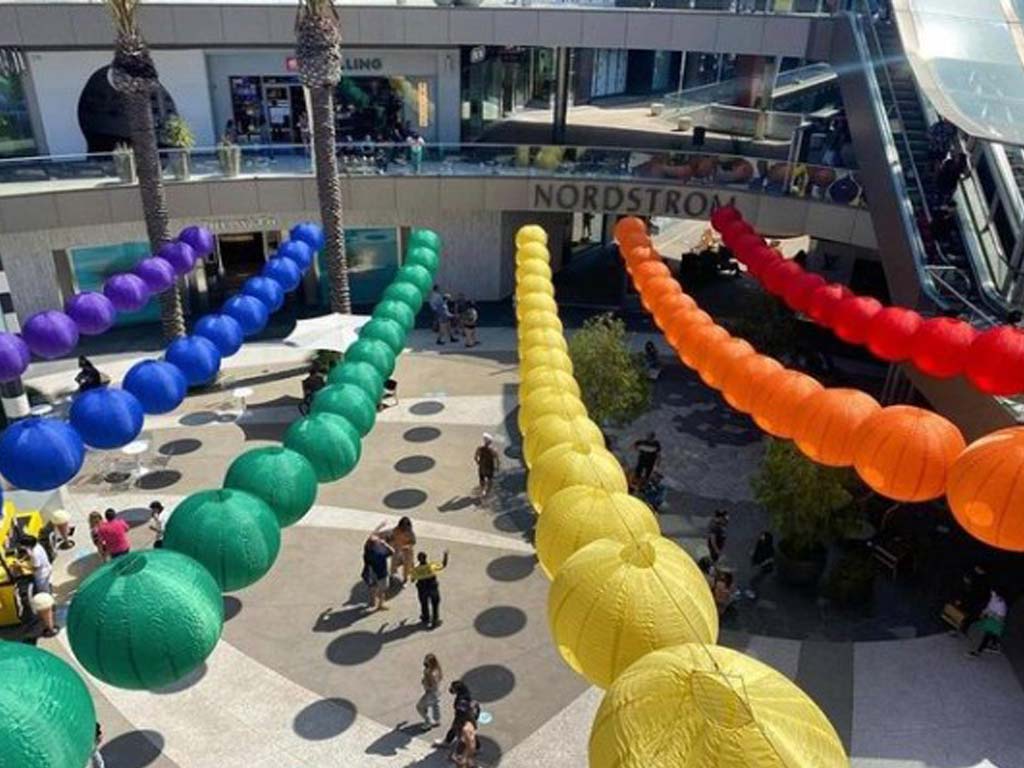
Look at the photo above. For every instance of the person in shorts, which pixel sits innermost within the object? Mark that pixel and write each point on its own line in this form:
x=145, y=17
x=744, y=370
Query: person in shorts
x=375, y=570
x=486, y=459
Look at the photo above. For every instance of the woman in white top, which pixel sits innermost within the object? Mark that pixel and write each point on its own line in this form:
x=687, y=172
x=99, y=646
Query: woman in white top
x=156, y=523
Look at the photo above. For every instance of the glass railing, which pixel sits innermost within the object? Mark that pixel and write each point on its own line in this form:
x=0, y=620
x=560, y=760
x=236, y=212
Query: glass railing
x=837, y=186
x=803, y=7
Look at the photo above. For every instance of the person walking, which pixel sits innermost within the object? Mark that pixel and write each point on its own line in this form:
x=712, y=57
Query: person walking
x=95, y=521
x=96, y=761
x=465, y=708
x=443, y=319
x=468, y=318
x=402, y=539
x=648, y=453
x=113, y=532
x=34, y=557
x=990, y=624
x=716, y=535
x=487, y=462
x=424, y=576
x=429, y=704
x=464, y=754
x=375, y=570
x=156, y=523
x=416, y=145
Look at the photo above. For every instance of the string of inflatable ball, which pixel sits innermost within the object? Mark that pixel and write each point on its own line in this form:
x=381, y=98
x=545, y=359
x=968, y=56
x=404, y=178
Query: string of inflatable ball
x=40, y=454
x=629, y=610
x=941, y=347
x=901, y=452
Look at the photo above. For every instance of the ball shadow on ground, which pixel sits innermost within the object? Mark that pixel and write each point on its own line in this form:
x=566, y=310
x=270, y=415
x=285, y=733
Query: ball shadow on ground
x=199, y=419
x=421, y=434
x=490, y=752
x=232, y=607
x=489, y=682
x=414, y=465
x=185, y=683
x=405, y=498
x=134, y=749
x=519, y=520
x=180, y=447
x=426, y=408
x=359, y=647
x=500, y=621
x=324, y=719
x=511, y=567
x=158, y=480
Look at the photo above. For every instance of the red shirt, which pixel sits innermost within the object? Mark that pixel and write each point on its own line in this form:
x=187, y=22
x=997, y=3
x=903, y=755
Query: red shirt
x=114, y=535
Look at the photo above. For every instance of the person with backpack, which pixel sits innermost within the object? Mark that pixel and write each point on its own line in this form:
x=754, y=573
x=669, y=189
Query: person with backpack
x=465, y=709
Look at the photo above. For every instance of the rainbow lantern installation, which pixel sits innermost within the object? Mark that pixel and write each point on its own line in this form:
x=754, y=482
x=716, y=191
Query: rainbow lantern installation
x=628, y=609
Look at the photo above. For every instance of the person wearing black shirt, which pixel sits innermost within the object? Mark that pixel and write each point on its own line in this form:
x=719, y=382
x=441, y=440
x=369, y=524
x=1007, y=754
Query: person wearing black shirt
x=648, y=452
x=88, y=376
x=312, y=384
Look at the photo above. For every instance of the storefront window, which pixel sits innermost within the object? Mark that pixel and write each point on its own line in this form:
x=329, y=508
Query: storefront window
x=497, y=81
x=372, y=264
x=92, y=266
x=15, y=127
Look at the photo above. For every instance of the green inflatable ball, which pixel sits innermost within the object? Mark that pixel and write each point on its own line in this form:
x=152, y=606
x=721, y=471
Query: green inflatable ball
x=390, y=332
x=376, y=353
x=349, y=402
x=48, y=716
x=145, y=620
x=233, y=533
x=425, y=238
x=404, y=293
x=363, y=375
x=422, y=278
x=398, y=311
x=284, y=479
x=330, y=443
x=423, y=257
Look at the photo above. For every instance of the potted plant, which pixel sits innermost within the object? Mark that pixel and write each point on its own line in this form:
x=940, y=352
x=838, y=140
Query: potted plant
x=807, y=503
x=229, y=155
x=124, y=164
x=178, y=135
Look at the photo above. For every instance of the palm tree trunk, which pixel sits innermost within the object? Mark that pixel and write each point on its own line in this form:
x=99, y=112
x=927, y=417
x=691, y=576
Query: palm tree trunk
x=328, y=187
x=154, y=204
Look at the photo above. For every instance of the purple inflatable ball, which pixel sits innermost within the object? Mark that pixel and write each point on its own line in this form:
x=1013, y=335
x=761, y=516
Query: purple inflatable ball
x=198, y=359
x=50, y=334
x=309, y=233
x=200, y=239
x=157, y=273
x=297, y=251
x=14, y=356
x=285, y=272
x=223, y=330
x=127, y=292
x=181, y=256
x=266, y=290
x=92, y=312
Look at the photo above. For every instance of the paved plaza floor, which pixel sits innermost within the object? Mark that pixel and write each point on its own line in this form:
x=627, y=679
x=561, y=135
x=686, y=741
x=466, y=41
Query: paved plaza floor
x=304, y=676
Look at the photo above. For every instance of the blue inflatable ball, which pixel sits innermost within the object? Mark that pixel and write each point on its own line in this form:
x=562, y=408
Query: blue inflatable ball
x=40, y=454
x=266, y=290
x=297, y=251
x=285, y=271
x=309, y=233
x=107, y=418
x=197, y=358
x=251, y=313
x=159, y=386
x=223, y=330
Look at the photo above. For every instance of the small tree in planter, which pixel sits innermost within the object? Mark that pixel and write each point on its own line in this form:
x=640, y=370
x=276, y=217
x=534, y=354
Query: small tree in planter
x=178, y=134
x=124, y=164
x=229, y=156
x=809, y=506
x=613, y=380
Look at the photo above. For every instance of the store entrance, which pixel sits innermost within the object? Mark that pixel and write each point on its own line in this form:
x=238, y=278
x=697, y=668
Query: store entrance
x=241, y=257
x=286, y=110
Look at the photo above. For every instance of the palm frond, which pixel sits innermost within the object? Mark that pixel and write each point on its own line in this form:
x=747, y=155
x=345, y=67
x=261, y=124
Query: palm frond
x=316, y=7
x=123, y=13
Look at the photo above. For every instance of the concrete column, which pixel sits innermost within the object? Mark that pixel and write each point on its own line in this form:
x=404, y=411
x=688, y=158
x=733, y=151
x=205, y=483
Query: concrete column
x=15, y=401
x=562, y=70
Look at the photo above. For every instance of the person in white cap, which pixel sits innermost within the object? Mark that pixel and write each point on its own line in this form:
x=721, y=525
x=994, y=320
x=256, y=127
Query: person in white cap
x=486, y=464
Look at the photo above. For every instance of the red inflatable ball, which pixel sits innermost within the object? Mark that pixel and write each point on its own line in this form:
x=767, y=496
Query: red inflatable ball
x=629, y=225
x=824, y=301
x=743, y=245
x=852, y=318
x=798, y=292
x=762, y=260
x=941, y=346
x=776, y=277
x=724, y=215
x=891, y=333
x=734, y=230
x=995, y=364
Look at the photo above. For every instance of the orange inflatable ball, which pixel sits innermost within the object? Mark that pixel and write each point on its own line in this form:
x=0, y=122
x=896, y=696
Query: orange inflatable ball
x=541, y=402
x=905, y=453
x=628, y=225
x=532, y=321
x=777, y=405
x=985, y=489
x=695, y=345
x=648, y=270
x=540, y=378
x=827, y=424
x=743, y=380
x=573, y=464
x=638, y=255
x=534, y=284
x=678, y=331
x=531, y=251
x=633, y=240
x=721, y=358
x=534, y=268
x=533, y=302
x=543, y=337
x=671, y=308
x=539, y=357
x=531, y=233
x=553, y=429
x=658, y=290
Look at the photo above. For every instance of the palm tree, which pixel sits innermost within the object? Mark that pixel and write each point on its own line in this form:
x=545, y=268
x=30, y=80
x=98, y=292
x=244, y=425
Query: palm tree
x=318, y=49
x=133, y=75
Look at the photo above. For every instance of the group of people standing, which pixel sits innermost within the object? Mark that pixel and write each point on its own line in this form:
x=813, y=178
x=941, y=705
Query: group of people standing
x=453, y=317
x=461, y=738
x=109, y=532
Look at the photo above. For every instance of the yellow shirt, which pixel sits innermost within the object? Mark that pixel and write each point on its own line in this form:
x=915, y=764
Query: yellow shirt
x=426, y=571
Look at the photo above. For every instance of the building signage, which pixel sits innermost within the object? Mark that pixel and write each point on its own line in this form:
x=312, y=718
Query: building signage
x=422, y=104
x=625, y=198
x=348, y=64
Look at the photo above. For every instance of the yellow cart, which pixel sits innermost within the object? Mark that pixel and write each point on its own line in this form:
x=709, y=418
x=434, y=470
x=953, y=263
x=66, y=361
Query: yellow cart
x=13, y=570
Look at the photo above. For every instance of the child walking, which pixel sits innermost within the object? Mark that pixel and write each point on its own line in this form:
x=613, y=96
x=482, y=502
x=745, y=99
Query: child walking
x=429, y=704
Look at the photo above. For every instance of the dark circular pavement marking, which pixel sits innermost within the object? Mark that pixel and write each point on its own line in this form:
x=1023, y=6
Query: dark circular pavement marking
x=500, y=621
x=158, y=480
x=354, y=648
x=426, y=408
x=511, y=567
x=414, y=465
x=405, y=498
x=324, y=719
x=421, y=434
x=180, y=447
x=489, y=682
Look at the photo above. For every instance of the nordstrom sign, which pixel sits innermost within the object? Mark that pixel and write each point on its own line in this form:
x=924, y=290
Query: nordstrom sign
x=624, y=198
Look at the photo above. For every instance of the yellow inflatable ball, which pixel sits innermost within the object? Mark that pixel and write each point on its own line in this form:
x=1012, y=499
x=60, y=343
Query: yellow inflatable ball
x=533, y=302
x=612, y=603
x=541, y=319
x=533, y=268
x=544, y=338
x=531, y=233
x=548, y=400
x=531, y=252
x=579, y=514
x=542, y=377
x=532, y=284
x=713, y=707
x=568, y=464
x=553, y=429
x=541, y=357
